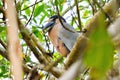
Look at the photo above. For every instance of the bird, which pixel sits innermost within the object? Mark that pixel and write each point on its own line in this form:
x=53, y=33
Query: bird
x=62, y=35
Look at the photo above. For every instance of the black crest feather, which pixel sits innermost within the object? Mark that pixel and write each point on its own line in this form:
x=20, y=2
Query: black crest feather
x=56, y=17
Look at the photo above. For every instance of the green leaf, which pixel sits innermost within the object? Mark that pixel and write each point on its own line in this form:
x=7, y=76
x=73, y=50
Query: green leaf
x=34, y=20
x=27, y=59
x=3, y=33
x=0, y=3
x=59, y=4
x=27, y=11
x=25, y=17
x=61, y=7
x=45, y=13
x=4, y=68
x=38, y=33
x=1, y=57
x=2, y=29
x=100, y=50
x=86, y=14
x=19, y=5
x=38, y=10
x=41, y=20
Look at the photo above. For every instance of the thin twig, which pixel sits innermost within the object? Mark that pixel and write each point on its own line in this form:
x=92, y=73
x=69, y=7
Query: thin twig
x=68, y=9
x=93, y=10
x=103, y=11
x=3, y=22
x=3, y=44
x=78, y=13
x=61, y=20
x=4, y=53
x=2, y=11
x=74, y=18
x=46, y=40
x=50, y=66
x=31, y=5
x=31, y=14
x=72, y=12
x=33, y=74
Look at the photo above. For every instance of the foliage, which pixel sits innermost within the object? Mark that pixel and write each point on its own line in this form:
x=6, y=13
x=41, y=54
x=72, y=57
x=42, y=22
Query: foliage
x=4, y=68
x=100, y=51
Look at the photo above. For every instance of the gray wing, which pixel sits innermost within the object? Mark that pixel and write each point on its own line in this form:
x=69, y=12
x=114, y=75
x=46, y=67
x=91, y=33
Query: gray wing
x=68, y=37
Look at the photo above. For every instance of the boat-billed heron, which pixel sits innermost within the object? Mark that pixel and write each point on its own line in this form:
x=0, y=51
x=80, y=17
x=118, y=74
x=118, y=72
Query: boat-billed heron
x=62, y=39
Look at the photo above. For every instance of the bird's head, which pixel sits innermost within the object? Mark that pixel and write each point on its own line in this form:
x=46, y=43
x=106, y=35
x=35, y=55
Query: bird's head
x=51, y=22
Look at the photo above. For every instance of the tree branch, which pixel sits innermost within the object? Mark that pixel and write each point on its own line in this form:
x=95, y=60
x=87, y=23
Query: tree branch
x=78, y=13
x=14, y=48
x=31, y=14
x=30, y=43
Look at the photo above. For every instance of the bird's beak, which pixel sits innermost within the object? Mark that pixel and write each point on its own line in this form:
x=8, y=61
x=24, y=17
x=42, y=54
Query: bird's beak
x=48, y=26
